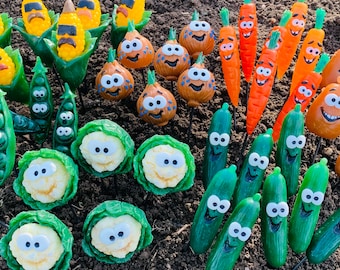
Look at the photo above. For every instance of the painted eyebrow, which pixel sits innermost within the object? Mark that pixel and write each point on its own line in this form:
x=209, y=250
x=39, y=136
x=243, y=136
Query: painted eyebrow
x=230, y=38
x=333, y=89
x=159, y=92
x=271, y=64
x=260, y=62
x=251, y=17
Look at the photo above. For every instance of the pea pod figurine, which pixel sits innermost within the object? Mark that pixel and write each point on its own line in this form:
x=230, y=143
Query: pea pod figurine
x=274, y=212
x=216, y=151
x=307, y=206
x=289, y=148
x=234, y=234
x=325, y=240
x=24, y=125
x=253, y=167
x=212, y=208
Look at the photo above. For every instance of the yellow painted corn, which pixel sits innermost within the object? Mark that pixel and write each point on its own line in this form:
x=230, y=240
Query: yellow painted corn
x=70, y=33
x=35, y=17
x=7, y=68
x=2, y=28
x=89, y=13
x=133, y=12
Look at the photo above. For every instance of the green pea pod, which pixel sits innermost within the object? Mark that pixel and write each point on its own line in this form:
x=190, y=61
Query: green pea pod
x=213, y=206
x=274, y=211
x=254, y=166
x=24, y=125
x=5, y=37
x=216, y=151
x=235, y=232
x=7, y=140
x=307, y=206
x=325, y=240
x=41, y=101
x=289, y=148
x=66, y=124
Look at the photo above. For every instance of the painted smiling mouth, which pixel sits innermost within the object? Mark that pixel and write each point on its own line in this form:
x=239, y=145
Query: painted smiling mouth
x=291, y=159
x=294, y=33
x=227, y=247
x=247, y=35
x=274, y=227
x=261, y=83
x=208, y=218
x=156, y=116
x=196, y=87
x=228, y=57
x=214, y=155
x=133, y=59
x=114, y=94
x=299, y=101
x=305, y=213
x=171, y=63
x=308, y=61
x=199, y=38
x=249, y=177
x=328, y=117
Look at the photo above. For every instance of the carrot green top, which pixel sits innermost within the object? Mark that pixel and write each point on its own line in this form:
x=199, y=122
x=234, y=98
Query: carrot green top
x=320, y=18
x=287, y=14
x=224, y=13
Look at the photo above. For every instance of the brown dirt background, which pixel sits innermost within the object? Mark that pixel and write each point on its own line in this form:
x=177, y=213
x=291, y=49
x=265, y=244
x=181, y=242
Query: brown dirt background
x=171, y=215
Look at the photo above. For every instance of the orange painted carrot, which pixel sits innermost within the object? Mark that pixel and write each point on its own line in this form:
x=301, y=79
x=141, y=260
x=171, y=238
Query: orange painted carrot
x=230, y=58
x=303, y=93
x=295, y=28
x=247, y=25
x=310, y=50
x=262, y=83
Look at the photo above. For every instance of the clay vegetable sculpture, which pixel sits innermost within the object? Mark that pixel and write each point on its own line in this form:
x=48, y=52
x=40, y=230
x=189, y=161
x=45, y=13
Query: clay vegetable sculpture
x=132, y=10
x=337, y=166
x=307, y=206
x=197, y=37
x=164, y=165
x=171, y=59
x=7, y=140
x=295, y=28
x=34, y=236
x=289, y=148
x=323, y=116
x=197, y=84
x=235, y=232
x=274, y=212
x=212, y=208
x=103, y=148
x=47, y=179
x=247, y=25
x=253, y=167
x=114, y=231
x=89, y=13
x=216, y=150
x=114, y=82
x=156, y=105
x=325, y=240
x=66, y=123
x=24, y=125
x=5, y=30
x=135, y=51
x=230, y=59
x=332, y=70
x=310, y=50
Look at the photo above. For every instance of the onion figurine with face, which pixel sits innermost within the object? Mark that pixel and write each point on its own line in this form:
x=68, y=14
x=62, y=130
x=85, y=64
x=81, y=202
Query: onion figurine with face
x=156, y=105
x=114, y=231
x=164, y=165
x=37, y=240
x=114, y=82
x=103, y=148
x=47, y=179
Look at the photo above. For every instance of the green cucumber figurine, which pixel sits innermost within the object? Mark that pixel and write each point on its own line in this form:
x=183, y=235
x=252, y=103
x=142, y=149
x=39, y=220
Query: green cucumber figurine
x=216, y=151
x=235, y=232
x=274, y=212
x=212, y=208
x=307, y=206
x=289, y=148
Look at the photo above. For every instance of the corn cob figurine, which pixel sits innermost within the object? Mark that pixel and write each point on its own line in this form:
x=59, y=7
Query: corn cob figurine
x=89, y=13
x=5, y=30
x=7, y=68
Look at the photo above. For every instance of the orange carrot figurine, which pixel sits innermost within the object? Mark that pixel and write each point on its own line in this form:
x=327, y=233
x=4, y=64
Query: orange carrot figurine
x=230, y=58
x=310, y=50
x=247, y=25
x=295, y=28
x=332, y=70
x=262, y=83
x=303, y=93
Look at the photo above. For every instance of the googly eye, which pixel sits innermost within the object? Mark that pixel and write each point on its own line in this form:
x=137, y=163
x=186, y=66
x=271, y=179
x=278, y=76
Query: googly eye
x=24, y=241
x=68, y=131
x=205, y=26
x=291, y=142
x=250, y=24
x=254, y=159
x=122, y=230
x=32, y=173
x=331, y=99
x=224, y=206
x=63, y=116
x=267, y=71
x=224, y=139
x=107, y=236
x=108, y=148
x=318, y=198
x=163, y=159
x=301, y=141
x=195, y=25
x=117, y=79
x=307, y=195
x=36, y=108
x=149, y=103
x=243, y=25
x=316, y=52
x=283, y=209
x=177, y=160
x=160, y=102
x=126, y=46
x=263, y=163
x=213, y=202
x=310, y=50
x=106, y=81
x=244, y=234
x=136, y=44
x=296, y=22
x=234, y=229
x=94, y=147
x=205, y=75
x=194, y=73
x=47, y=168
x=60, y=131
x=302, y=23
x=39, y=93
x=227, y=46
x=260, y=70
x=214, y=138
x=40, y=243
x=168, y=49
x=178, y=50
x=272, y=209
x=304, y=91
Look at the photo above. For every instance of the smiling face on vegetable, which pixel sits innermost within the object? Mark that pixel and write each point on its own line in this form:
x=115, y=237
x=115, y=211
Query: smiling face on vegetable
x=7, y=68
x=276, y=211
x=247, y=22
x=256, y=165
x=304, y=92
x=237, y=234
x=263, y=72
x=297, y=22
x=293, y=146
x=218, y=142
x=228, y=48
x=310, y=201
x=215, y=207
x=312, y=51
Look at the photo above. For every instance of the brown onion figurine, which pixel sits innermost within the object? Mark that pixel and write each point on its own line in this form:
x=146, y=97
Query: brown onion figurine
x=156, y=105
x=114, y=82
x=337, y=166
x=196, y=84
x=332, y=70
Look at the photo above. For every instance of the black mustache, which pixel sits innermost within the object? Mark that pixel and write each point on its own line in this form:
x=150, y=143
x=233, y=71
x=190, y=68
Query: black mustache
x=35, y=15
x=63, y=41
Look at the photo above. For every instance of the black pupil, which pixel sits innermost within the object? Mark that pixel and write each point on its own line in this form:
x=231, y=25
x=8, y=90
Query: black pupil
x=166, y=161
x=214, y=204
x=174, y=162
x=308, y=196
x=97, y=149
x=36, y=244
x=222, y=206
x=43, y=170
x=134, y=44
x=112, y=238
x=120, y=234
x=106, y=150
x=274, y=210
x=27, y=244
x=243, y=234
x=115, y=80
x=36, y=173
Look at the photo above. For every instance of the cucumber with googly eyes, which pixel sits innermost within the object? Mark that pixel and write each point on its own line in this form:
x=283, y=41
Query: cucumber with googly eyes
x=214, y=204
x=274, y=212
x=216, y=151
x=289, y=148
x=307, y=205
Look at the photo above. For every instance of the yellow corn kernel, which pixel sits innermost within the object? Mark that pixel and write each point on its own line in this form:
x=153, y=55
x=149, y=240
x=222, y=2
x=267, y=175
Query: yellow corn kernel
x=7, y=68
x=2, y=28
x=133, y=13
x=89, y=13
x=35, y=17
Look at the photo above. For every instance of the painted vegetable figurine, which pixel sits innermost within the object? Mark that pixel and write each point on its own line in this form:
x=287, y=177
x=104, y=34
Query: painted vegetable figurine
x=254, y=166
x=164, y=165
x=114, y=231
x=6, y=25
x=332, y=70
x=274, y=225
x=216, y=149
x=23, y=124
x=307, y=206
x=172, y=58
x=289, y=148
x=89, y=13
x=114, y=82
x=337, y=166
x=230, y=58
x=197, y=37
x=326, y=239
x=130, y=10
x=212, y=208
x=235, y=232
x=32, y=237
x=247, y=27
x=197, y=84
